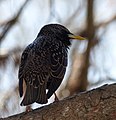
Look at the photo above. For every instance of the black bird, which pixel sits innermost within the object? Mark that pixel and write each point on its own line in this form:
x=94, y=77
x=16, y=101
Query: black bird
x=43, y=63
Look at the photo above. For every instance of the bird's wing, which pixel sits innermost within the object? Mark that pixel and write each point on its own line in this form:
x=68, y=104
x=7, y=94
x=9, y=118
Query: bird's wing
x=35, y=73
x=24, y=58
x=58, y=68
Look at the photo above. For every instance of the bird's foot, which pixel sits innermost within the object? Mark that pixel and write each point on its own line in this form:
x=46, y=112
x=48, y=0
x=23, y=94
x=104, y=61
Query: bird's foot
x=56, y=98
x=28, y=108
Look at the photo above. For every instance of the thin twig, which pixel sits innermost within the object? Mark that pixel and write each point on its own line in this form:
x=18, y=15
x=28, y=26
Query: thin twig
x=104, y=24
x=9, y=24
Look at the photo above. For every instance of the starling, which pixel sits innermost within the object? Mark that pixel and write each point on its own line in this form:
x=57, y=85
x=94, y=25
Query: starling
x=43, y=64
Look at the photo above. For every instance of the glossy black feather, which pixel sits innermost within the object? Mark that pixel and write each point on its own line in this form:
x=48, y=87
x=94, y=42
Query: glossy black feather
x=24, y=59
x=43, y=64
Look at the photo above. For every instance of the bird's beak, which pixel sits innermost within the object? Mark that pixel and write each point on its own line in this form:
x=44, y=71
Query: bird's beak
x=71, y=36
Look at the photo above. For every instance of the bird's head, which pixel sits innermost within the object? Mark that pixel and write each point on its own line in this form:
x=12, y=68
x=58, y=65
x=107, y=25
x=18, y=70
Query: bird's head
x=60, y=33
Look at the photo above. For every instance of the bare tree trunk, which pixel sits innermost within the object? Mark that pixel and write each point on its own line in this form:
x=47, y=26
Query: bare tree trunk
x=90, y=31
x=78, y=80
x=97, y=104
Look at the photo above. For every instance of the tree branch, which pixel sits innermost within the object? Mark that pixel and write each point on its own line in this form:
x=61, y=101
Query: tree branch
x=97, y=104
x=104, y=24
x=90, y=31
x=9, y=24
x=6, y=54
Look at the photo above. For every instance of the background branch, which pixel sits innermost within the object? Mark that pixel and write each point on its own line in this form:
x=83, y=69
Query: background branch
x=9, y=24
x=104, y=24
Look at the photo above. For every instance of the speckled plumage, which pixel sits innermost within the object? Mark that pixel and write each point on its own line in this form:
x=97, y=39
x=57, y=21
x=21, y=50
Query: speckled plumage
x=43, y=64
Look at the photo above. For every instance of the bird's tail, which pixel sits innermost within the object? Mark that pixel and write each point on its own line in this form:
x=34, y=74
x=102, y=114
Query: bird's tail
x=34, y=95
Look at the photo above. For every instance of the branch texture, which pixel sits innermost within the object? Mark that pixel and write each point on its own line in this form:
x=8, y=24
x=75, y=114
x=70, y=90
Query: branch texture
x=97, y=104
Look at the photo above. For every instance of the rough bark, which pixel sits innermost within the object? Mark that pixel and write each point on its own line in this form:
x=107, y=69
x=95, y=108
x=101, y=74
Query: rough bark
x=97, y=104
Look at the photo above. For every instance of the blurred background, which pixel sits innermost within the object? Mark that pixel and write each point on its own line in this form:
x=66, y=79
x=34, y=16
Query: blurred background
x=91, y=64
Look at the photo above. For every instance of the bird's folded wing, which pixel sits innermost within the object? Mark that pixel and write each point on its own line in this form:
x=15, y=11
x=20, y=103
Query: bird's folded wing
x=34, y=69
x=58, y=68
x=24, y=58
